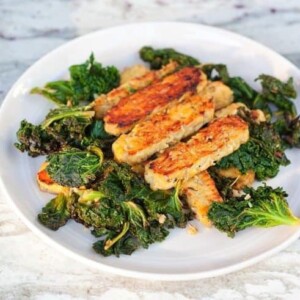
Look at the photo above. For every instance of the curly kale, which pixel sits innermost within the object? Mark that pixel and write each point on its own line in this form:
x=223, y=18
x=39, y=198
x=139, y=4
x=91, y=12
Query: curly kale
x=263, y=153
x=64, y=127
x=75, y=167
x=124, y=212
x=35, y=140
x=87, y=80
x=263, y=207
x=56, y=213
x=274, y=91
x=160, y=57
x=289, y=130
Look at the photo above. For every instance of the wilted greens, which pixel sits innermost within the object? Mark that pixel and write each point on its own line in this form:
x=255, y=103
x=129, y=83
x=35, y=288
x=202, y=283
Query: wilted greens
x=87, y=80
x=160, y=57
x=263, y=207
x=63, y=126
x=122, y=210
x=263, y=153
x=56, y=213
x=274, y=91
x=75, y=168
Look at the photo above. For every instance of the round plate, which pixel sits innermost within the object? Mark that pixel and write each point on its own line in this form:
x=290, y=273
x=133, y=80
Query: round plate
x=181, y=256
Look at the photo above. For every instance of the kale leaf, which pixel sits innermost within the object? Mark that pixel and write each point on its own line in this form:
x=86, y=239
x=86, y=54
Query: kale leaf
x=35, y=140
x=56, y=213
x=160, y=57
x=263, y=153
x=64, y=127
x=87, y=80
x=263, y=207
x=124, y=212
x=75, y=167
x=289, y=130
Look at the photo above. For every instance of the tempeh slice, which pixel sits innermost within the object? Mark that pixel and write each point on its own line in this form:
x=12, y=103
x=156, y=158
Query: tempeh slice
x=220, y=93
x=184, y=160
x=168, y=126
x=200, y=191
x=106, y=101
x=122, y=117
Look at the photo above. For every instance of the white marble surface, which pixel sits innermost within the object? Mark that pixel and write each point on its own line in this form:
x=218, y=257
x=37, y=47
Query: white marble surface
x=30, y=269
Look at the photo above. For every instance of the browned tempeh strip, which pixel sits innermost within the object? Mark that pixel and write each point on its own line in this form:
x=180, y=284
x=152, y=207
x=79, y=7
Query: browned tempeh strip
x=106, y=101
x=184, y=160
x=122, y=117
x=200, y=191
x=157, y=132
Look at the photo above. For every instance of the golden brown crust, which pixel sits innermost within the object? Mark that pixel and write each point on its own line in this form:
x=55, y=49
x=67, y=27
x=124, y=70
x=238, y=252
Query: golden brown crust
x=48, y=185
x=182, y=161
x=174, y=122
x=105, y=102
x=122, y=117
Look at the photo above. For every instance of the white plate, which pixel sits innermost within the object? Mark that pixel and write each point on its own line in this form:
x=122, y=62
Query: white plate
x=181, y=256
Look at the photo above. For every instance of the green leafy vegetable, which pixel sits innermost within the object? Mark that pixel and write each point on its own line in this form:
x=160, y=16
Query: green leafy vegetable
x=87, y=80
x=263, y=153
x=274, y=91
x=160, y=57
x=278, y=93
x=55, y=214
x=289, y=130
x=263, y=207
x=62, y=127
x=74, y=167
x=35, y=140
x=124, y=212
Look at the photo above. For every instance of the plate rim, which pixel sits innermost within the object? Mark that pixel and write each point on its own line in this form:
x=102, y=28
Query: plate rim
x=118, y=270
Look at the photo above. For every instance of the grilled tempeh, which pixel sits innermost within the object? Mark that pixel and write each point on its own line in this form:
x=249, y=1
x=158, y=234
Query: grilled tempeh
x=200, y=191
x=122, y=117
x=105, y=102
x=221, y=94
x=184, y=160
x=169, y=125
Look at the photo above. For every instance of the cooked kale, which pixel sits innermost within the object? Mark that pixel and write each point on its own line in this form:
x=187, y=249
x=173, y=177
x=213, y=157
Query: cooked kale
x=35, y=140
x=278, y=93
x=274, y=91
x=223, y=184
x=160, y=57
x=75, y=167
x=124, y=212
x=87, y=80
x=289, y=130
x=263, y=153
x=56, y=213
x=263, y=207
x=63, y=127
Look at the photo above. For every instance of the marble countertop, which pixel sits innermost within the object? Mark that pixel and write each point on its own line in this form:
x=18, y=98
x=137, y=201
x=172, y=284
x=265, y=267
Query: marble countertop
x=30, y=269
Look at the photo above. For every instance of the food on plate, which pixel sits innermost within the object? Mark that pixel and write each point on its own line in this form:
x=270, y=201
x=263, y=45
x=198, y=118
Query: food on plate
x=176, y=121
x=86, y=81
x=220, y=93
x=184, y=160
x=133, y=72
x=105, y=102
x=133, y=154
x=123, y=116
x=200, y=191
